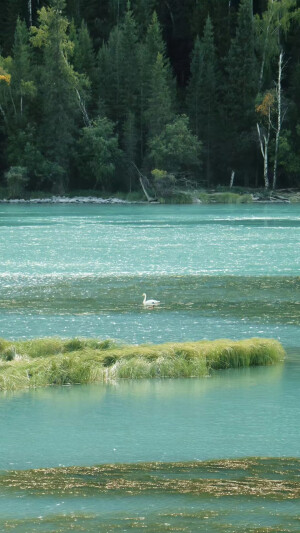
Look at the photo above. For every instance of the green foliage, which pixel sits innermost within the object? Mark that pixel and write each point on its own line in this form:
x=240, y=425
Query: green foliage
x=202, y=96
x=17, y=179
x=99, y=152
x=130, y=136
x=154, y=44
x=223, y=18
x=159, y=174
x=269, y=27
x=175, y=197
x=176, y=148
x=84, y=57
x=59, y=90
x=52, y=86
x=44, y=362
x=224, y=198
x=163, y=183
x=22, y=83
x=288, y=158
x=159, y=106
x=129, y=82
x=240, y=91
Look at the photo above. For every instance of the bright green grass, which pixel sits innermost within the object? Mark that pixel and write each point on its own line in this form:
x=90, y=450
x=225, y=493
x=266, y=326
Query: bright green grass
x=224, y=198
x=53, y=361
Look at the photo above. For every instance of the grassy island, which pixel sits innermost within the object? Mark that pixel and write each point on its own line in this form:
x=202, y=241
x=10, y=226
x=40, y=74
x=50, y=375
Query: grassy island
x=54, y=361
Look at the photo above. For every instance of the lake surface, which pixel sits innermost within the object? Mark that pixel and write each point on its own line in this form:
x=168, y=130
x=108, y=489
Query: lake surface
x=219, y=271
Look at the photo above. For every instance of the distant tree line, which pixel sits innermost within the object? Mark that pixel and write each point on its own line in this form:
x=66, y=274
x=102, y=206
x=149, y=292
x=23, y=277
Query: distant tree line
x=101, y=94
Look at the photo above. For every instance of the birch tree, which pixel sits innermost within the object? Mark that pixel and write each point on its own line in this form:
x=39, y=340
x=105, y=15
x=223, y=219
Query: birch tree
x=23, y=85
x=265, y=111
x=279, y=118
x=270, y=27
x=270, y=30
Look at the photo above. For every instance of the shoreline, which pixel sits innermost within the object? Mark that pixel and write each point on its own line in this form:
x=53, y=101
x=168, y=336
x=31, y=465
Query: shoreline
x=67, y=200
x=206, y=197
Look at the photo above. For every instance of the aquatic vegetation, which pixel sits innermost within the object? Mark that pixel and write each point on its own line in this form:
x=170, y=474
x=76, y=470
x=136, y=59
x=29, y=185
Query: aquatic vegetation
x=264, y=477
x=41, y=362
x=205, y=496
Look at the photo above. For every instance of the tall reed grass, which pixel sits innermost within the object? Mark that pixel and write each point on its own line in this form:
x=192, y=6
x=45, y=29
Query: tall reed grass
x=42, y=362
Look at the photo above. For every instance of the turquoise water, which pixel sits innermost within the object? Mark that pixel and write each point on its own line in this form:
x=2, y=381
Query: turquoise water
x=235, y=413
x=219, y=271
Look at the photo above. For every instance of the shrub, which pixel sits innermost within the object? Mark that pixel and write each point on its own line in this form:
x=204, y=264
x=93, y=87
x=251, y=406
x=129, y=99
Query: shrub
x=16, y=179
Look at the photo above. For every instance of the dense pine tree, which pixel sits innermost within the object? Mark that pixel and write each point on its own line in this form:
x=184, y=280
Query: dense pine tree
x=89, y=89
x=202, y=96
x=240, y=92
x=58, y=89
x=159, y=106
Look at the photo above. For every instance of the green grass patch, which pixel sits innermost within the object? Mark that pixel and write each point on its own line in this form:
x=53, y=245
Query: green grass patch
x=294, y=199
x=176, y=197
x=54, y=361
x=224, y=198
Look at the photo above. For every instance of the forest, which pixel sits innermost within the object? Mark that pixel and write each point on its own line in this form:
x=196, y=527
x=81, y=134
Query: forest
x=112, y=94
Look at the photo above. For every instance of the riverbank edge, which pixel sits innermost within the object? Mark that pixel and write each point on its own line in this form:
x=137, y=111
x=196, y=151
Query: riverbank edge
x=203, y=196
x=54, y=361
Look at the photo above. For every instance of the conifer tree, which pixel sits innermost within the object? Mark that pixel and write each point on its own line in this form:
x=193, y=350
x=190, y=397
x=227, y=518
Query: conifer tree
x=83, y=56
x=10, y=12
x=154, y=44
x=157, y=94
x=21, y=138
x=143, y=10
x=130, y=140
x=147, y=56
x=159, y=106
x=58, y=89
x=22, y=83
x=202, y=95
x=128, y=64
x=194, y=87
x=240, y=91
x=109, y=76
x=84, y=63
x=222, y=15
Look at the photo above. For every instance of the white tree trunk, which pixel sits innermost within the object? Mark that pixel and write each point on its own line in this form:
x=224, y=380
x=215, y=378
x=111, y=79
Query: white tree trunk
x=3, y=113
x=232, y=178
x=83, y=110
x=262, y=67
x=278, y=91
x=81, y=103
x=141, y=179
x=264, y=142
x=30, y=12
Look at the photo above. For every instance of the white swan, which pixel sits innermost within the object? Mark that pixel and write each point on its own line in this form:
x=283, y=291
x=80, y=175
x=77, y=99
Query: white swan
x=150, y=302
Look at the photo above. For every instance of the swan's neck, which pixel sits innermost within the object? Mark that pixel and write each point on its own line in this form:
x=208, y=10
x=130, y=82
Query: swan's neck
x=144, y=298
